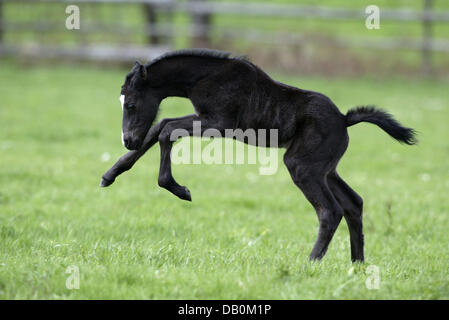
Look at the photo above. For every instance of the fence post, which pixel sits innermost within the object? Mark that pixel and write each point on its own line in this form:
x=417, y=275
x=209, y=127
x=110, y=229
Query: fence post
x=151, y=26
x=427, y=38
x=202, y=26
x=1, y=21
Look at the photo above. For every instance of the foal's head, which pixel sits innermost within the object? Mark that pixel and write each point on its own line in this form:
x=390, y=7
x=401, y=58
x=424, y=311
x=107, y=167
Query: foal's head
x=139, y=105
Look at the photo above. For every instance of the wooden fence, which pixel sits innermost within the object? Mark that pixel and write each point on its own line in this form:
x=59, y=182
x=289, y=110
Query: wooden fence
x=160, y=36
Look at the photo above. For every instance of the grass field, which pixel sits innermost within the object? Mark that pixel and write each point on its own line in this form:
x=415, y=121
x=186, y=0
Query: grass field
x=244, y=235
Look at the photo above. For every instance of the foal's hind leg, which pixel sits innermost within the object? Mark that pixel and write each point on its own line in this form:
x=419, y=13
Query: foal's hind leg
x=352, y=205
x=311, y=179
x=313, y=153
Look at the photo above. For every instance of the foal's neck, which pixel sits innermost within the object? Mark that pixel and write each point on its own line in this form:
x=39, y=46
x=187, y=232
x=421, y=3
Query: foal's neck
x=177, y=76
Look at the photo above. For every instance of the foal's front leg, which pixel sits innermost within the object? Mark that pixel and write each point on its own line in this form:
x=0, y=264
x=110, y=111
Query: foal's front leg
x=166, y=179
x=128, y=160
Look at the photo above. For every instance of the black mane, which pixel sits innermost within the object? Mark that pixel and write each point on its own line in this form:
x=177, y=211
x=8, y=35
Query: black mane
x=210, y=53
x=206, y=53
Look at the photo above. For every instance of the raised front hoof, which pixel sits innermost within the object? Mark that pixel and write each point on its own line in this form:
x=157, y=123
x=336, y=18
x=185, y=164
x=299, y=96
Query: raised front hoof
x=172, y=186
x=105, y=182
x=183, y=193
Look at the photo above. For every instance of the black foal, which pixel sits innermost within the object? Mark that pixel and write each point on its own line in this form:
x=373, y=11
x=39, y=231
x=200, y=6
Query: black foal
x=230, y=93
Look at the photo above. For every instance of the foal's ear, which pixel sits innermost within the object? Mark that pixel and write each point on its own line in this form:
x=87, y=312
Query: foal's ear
x=141, y=69
x=136, y=66
x=143, y=72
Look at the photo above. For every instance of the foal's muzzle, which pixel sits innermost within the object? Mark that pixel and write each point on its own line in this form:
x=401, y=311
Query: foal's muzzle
x=131, y=144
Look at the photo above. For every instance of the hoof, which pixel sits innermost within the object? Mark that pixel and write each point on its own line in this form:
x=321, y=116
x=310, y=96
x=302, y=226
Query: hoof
x=179, y=191
x=184, y=194
x=105, y=182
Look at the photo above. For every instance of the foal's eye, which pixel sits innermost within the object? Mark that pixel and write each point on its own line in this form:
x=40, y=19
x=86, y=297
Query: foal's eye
x=130, y=106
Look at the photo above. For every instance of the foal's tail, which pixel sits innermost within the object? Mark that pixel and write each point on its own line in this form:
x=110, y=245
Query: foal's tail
x=384, y=120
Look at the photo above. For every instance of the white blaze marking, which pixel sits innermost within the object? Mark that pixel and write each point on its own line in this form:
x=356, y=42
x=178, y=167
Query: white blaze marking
x=122, y=101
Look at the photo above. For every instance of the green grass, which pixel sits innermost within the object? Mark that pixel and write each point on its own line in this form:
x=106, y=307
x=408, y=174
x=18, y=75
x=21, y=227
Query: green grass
x=244, y=235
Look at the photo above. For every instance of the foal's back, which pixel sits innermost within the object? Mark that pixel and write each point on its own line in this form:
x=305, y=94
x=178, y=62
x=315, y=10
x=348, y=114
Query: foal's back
x=245, y=97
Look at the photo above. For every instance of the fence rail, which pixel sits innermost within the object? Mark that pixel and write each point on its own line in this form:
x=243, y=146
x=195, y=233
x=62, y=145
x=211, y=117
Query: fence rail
x=202, y=26
x=269, y=9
